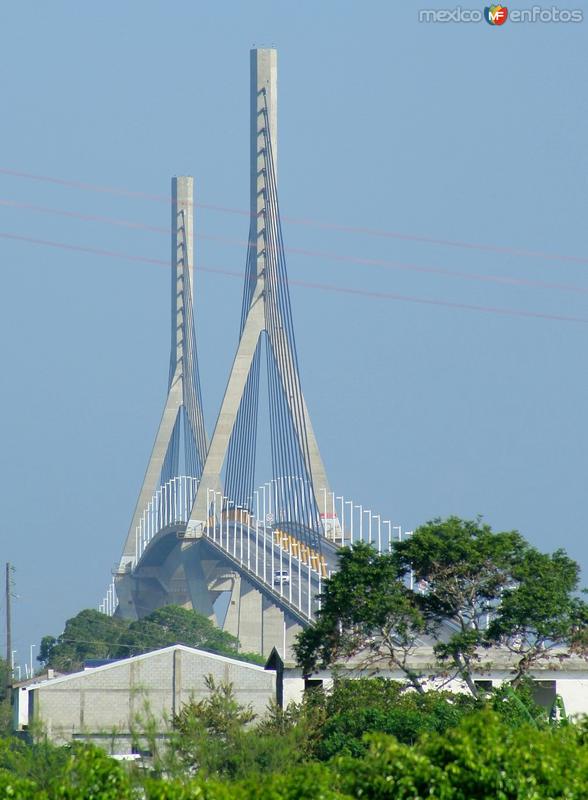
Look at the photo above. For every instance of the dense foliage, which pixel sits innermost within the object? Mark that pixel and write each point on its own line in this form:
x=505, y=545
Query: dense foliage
x=91, y=635
x=441, y=749
x=5, y=714
x=461, y=585
x=367, y=738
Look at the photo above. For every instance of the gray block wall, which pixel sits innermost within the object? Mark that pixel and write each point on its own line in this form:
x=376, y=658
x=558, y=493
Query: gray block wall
x=95, y=703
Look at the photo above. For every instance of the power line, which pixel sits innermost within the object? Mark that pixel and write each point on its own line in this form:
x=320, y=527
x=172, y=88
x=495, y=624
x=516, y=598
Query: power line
x=306, y=221
x=320, y=254
x=370, y=294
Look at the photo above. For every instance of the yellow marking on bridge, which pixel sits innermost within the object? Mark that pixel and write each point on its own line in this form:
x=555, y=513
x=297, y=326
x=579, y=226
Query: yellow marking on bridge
x=305, y=554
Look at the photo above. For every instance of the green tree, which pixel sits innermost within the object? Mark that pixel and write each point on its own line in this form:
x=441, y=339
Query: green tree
x=467, y=576
x=207, y=732
x=365, y=609
x=220, y=737
x=464, y=568
x=89, y=634
x=175, y=625
x=540, y=617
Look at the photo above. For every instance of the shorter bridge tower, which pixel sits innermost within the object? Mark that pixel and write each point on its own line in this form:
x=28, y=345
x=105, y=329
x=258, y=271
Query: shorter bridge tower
x=180, y=447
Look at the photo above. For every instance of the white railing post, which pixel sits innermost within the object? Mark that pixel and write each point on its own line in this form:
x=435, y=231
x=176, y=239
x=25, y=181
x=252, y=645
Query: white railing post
x=319, y=589
x=290, y=570
x=350, y=504
x=226, y=513
x=256, y=493
x=295, y=499
x=240, y=516
x=264, y=535
x=341, y=498
x=377, y=516
x=299, y=580
x=273, y=553
x=334, y=517
x=389, y=524
x=324, y=491
x=409, y=533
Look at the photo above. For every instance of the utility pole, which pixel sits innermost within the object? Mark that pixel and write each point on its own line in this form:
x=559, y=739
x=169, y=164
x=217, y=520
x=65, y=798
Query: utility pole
x=8, y=630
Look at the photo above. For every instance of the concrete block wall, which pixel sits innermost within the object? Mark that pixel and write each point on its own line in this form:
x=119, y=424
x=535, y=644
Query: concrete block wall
x=116, y=697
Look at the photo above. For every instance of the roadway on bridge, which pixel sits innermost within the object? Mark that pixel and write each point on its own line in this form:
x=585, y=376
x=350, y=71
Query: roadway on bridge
x=256, y=549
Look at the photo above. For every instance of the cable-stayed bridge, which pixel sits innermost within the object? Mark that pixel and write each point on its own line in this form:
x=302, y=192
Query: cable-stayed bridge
x=202, y=535
x=247, y=545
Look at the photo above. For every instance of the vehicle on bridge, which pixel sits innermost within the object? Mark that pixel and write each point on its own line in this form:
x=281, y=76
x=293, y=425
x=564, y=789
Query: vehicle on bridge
x=281, y=576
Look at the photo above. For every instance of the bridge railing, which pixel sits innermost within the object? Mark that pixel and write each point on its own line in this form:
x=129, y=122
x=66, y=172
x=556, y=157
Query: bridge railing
x=254, y=539
x=290, y=569
x=170, y=505
x=110, y=601
x=346, y=523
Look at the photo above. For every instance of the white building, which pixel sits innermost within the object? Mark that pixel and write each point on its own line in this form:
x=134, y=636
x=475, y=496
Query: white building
x=106, y=704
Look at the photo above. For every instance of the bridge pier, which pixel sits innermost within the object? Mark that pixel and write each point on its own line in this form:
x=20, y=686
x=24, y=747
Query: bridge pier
x=127, y=608
x=293, y=628
x=196, y=578
x=272, y=628
x=243, y=618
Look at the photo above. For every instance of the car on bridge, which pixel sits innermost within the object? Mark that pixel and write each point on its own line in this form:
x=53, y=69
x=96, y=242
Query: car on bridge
x=281, y=576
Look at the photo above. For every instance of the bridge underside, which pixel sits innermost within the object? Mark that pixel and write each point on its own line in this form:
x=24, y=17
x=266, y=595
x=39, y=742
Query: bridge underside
x=201, y=576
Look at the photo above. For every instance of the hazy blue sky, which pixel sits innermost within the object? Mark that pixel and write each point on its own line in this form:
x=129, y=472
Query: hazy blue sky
x=454, y=132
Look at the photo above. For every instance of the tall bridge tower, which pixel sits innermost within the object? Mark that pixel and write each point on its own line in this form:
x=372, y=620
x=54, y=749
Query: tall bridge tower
x=266, y=320
x=201, y=534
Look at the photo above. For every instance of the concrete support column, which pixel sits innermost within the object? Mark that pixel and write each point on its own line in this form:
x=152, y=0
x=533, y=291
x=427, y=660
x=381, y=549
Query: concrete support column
x=196, y=579
x=126, y=597
x=232, y=618
x=272, y=628
x=293, y=628
x=250, y=613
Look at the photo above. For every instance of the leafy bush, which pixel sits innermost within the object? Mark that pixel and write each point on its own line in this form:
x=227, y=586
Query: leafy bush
x=12, y=787
x=482, y=758
x=355, y=707
x=92, y=775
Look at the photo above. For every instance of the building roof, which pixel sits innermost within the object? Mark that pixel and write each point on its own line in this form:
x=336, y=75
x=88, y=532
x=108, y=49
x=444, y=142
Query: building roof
x=143, y=657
